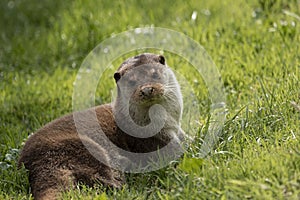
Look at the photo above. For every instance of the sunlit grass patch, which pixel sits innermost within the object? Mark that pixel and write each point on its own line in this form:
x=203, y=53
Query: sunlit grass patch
x=254, y=44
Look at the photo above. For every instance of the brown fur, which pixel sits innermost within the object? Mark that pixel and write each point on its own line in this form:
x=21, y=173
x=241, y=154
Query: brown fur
x=57, y=159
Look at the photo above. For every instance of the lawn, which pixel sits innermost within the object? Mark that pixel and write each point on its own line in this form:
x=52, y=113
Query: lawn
x=254, y=44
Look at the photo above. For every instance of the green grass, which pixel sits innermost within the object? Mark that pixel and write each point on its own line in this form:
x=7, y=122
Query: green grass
x=255, y=45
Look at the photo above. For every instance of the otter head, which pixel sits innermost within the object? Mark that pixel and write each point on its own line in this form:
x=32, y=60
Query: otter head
x=145, y=81
x=141, y=79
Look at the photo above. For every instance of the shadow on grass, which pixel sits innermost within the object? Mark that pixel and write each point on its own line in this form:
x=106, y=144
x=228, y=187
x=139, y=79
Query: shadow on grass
x=24, y=33
x=18, y=16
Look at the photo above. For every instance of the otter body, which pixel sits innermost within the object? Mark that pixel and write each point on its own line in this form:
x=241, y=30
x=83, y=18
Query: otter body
x=57, y=156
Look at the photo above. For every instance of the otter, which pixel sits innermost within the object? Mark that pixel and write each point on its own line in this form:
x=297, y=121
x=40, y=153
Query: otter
x=144, y=117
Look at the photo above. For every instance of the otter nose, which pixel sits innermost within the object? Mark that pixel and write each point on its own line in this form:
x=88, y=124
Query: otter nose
x=147, y=91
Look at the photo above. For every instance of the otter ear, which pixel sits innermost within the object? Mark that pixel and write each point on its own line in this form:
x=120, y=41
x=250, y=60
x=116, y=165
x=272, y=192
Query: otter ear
x=117, y=76
x=161, y=60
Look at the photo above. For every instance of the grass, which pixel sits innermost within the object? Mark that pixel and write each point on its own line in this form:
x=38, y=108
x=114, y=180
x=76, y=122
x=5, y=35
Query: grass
x=255, y=45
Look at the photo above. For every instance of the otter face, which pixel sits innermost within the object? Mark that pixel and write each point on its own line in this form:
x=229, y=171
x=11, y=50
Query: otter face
x=147, y=91
x=141, y=79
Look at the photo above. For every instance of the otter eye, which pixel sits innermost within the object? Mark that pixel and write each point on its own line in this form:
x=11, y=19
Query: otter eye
x=161, y=60
x=117, y=76
x=155, y=75
x=132, y=82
